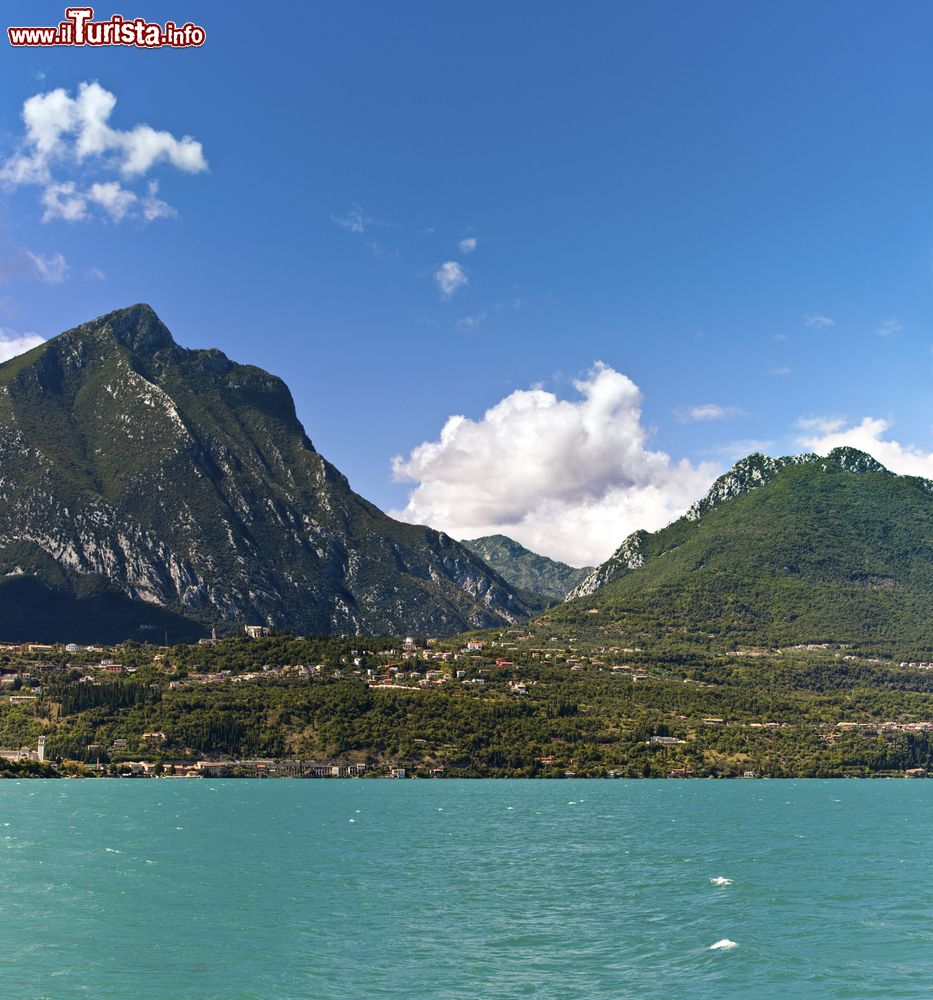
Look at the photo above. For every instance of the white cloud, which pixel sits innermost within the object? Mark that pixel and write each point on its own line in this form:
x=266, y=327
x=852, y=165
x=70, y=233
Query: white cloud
x=64, y=201
x=781, y=370
x=53, y=269
x=471, y=322
x=113, y=198
x=153, y=207
x=705, y=412
x=817, y=321
x=12, y=344
x=74, y=134
x=450, y=278
x=569, y=478
x=144, y=147
x=69, y=203
x=467, y=245
x=890, y=327
x=96, y=274
x=822, y=434
x=61, y=127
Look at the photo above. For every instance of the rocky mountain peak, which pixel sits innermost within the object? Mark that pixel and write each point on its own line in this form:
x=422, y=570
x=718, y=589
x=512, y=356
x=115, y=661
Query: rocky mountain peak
x=136, y=327
x=178, y=480
x=854, y=460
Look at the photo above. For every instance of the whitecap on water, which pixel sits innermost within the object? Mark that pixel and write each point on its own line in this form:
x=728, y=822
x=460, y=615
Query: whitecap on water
x=112, y=850
x=724, y=945
x=721, y=880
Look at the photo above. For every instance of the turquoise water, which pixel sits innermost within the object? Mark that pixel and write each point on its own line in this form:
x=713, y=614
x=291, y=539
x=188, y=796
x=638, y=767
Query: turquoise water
x=484, y=889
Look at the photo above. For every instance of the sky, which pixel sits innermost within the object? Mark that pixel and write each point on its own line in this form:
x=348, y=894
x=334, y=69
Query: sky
x=533, y=268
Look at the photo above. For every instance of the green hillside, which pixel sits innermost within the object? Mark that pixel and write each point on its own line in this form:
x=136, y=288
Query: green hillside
x=805, y=549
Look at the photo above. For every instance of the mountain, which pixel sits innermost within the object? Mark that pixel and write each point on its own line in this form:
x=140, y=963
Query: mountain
x=149, y=487
x=526, y=569
x=797, y=549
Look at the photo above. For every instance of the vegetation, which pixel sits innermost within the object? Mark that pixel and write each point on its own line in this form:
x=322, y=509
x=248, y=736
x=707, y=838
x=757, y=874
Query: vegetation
x=525, y=569
x=178, y=491
x=521, y=706
x=828, y=550
x=782, y=627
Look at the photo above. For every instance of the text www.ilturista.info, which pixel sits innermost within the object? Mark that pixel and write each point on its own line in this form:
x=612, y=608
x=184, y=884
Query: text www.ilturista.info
x=80, y=28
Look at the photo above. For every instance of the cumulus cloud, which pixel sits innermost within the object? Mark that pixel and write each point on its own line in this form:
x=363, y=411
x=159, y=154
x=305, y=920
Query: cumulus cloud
x=61, y=127
x=467, y=245
x=450, y=278
x=569, y=478
x=817, y=321
x=12, y=344
x=74, y=135
x=822, y=434
x=52, y=269
x=705, y=412
x=64, y=201
x=113, y=198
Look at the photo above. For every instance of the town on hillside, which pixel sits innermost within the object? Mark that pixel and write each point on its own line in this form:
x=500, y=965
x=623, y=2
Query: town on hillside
x=515, y=702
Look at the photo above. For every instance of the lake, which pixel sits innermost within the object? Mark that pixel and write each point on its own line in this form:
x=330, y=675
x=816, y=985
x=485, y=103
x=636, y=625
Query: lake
x=466, y=890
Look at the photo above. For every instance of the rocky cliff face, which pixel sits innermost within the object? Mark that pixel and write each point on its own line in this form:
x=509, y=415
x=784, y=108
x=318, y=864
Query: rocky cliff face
x=629, y=555
x=178, y=479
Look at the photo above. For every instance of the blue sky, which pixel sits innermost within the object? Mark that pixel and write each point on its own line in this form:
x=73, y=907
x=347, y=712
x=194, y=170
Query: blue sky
x=729, y=205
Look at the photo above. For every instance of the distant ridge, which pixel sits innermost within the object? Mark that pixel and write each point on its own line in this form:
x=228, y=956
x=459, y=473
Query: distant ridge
x=526, y=569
